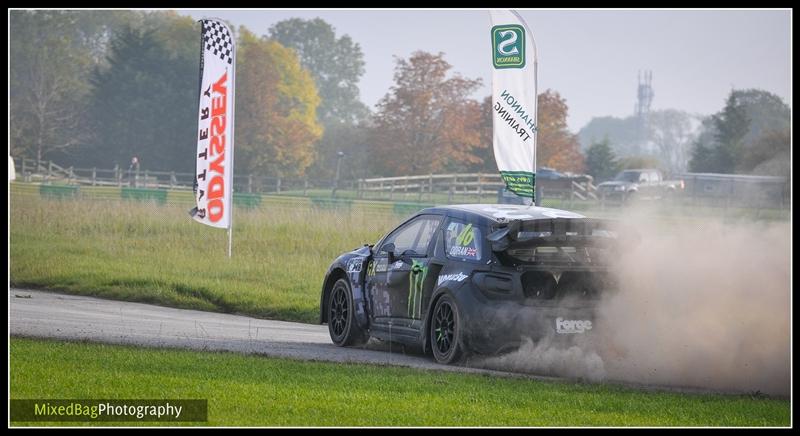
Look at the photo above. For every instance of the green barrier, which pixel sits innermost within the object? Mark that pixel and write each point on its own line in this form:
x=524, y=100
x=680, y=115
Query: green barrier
x=331, y=203
x=401, y=208
x=58, y=191
x=141, y=194
x=247, y=200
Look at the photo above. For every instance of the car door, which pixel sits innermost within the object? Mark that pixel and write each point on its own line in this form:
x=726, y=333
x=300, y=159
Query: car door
x=395, y=285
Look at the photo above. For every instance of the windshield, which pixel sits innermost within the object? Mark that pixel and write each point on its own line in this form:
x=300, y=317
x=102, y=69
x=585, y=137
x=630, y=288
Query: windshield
x=627, y=176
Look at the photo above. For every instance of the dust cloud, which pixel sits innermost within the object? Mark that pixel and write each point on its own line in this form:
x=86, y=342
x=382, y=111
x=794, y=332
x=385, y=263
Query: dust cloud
x=700, y=303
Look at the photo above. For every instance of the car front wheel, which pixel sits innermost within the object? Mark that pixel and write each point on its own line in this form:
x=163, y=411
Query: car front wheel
x=342, y=324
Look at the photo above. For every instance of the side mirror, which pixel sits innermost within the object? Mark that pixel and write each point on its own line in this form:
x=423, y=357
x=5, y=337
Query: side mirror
x=389, y=249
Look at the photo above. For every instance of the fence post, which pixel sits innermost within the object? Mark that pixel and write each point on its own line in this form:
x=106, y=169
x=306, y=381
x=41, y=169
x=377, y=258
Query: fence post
x=391, y=191
x=452, y=189
x=23, y=167
x=249, y=183
x=94, y=176
x=49, y=169
x=305, y=186
x=145, y=177
x=71, y=175
x=278, y=186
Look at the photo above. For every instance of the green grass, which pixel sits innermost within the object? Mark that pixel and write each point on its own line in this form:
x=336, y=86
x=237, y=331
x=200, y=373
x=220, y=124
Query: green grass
x=247, y=390
x=136, y=251
x=132, y=250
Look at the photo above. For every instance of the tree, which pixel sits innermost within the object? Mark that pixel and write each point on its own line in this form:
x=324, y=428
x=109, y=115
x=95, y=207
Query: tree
x=556, y=147
x=671, y=133
x=276, y=109
x=769, y=152
x=731, y=139
x=46, y=90
x=426, y=122
x=144, y=103
x=601, y=163
x=336, y=65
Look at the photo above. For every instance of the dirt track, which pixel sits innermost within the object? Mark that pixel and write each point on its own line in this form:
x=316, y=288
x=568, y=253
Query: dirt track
x=69, y=317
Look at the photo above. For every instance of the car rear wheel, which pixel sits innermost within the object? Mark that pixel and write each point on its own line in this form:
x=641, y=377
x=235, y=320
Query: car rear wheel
x=445, y=331
x=342, y=324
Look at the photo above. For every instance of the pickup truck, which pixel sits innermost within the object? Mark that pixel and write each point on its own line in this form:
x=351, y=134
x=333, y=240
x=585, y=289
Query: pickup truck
x=639, y=184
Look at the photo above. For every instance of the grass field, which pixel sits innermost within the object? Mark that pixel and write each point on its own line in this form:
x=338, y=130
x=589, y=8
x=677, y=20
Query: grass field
x=102, y=246
x=148, y=253
x=257, y=391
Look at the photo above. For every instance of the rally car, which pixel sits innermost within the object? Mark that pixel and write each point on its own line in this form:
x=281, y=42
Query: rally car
x=481, y=278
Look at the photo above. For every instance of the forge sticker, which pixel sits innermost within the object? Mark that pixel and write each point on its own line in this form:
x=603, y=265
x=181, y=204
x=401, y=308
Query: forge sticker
x=572, y=326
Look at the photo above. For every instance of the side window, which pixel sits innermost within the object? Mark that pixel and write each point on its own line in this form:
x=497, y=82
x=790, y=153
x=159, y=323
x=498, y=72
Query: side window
x=463, y=241
x=414, y=238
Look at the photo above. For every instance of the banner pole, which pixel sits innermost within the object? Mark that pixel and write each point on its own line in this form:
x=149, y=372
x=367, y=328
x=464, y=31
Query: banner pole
x=233, y=146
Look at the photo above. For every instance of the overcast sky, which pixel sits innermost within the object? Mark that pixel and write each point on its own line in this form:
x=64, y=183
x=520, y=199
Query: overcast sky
x=590, y=57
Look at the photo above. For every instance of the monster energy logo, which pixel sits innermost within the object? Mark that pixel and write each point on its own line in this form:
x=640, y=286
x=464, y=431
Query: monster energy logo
x=415, y=281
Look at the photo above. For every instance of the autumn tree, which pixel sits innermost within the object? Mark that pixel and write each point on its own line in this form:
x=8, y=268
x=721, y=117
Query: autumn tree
x=336, y=63
x=556, y=146
x=426, y=122
x=276, y=109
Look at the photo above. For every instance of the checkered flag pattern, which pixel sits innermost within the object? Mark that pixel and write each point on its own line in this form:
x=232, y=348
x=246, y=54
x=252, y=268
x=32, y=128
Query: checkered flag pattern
x=217, y=39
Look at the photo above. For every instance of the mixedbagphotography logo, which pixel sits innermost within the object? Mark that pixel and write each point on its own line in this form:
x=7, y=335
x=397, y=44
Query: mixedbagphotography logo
x=508, y=46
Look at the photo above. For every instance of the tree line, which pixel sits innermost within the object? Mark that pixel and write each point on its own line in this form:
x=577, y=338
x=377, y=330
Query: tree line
x=749, y=135
x=95, y=88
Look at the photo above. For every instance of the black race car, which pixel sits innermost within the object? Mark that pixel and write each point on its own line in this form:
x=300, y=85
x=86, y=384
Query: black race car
x=472, y=279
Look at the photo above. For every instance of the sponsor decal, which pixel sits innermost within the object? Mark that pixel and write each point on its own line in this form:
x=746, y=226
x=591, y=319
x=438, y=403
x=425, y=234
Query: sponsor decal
x=382, y=265
x=354, y=265
x=466, y=236
x=397, y=265
x=415, y=281
x=371, y=268
x=508, y=46
x=458, y=251
x=570, y=326
x=457, y=277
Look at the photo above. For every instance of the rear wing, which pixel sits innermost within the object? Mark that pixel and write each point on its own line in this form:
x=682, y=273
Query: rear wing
x=576, y=232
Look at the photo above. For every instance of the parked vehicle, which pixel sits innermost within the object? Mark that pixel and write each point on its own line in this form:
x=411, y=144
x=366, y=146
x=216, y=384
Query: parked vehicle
x=639, y=184
x=467, y=279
